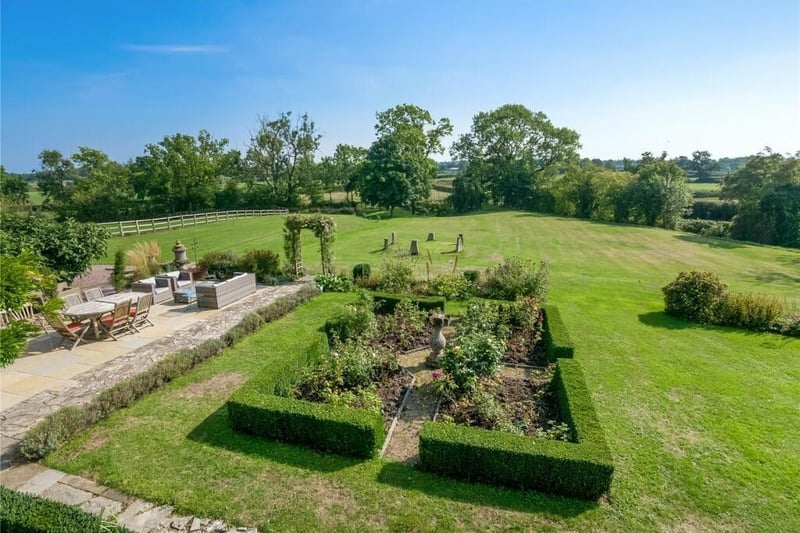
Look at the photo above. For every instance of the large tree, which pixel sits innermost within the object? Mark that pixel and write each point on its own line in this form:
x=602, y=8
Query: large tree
x=13, y=192
x=55, y=176
x=399, y=171
x=181, y=173
x=281, y=153
x=703, y=165
x=767, y=190
x=101, y=192
x=510, y=150
x=343, y=169
x=659, y=193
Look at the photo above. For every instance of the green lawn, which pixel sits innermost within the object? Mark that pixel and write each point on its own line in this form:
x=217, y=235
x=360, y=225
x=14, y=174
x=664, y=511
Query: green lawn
x=695, y=186
x=701, y=421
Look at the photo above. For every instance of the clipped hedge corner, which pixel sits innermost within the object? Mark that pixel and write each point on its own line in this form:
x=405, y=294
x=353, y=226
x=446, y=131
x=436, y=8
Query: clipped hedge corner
x=257, y=409
x=581, y=469
x=385, y=302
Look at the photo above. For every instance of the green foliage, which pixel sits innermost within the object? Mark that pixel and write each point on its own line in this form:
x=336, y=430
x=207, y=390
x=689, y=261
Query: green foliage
x=265, y=264
x=118, y=278
x=748, y=311
x=468, y=194
x=354, y=321
x=67, y=247
x=221, y=265
x=324, y=229
x=452, y=287
x=706, y=228
x=473, y=356
x=581, y=469
x=404, y=323
x=362, y=270
x=510, y=151
x=385, y=303
x=398, y=171
x=517, y=277
x=65, y=423
x=659, y=194
x=788, y=324
x=279, y=154
x=333, y=283
x=694, y=296
x=767, y=190
x=396, y=275
x=28, y=513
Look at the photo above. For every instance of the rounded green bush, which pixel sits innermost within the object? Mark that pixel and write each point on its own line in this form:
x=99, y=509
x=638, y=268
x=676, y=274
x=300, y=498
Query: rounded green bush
x=362, y=270
x=694, y=296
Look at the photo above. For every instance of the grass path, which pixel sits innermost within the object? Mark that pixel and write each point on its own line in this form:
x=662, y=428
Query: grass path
x=701, y=421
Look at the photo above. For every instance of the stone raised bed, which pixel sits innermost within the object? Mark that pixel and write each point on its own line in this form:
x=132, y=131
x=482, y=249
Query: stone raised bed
x=214, y=295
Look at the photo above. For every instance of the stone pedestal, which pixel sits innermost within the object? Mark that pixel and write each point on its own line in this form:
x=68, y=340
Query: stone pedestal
x=180, y=254
x=459, y=244
x=414, y=247
x=385, y=244
x=394, y=238
x=437, y=342
x=431, y=237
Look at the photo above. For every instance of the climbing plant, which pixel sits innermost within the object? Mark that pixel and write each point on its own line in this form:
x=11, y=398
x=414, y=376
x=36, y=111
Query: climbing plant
x=325, y=230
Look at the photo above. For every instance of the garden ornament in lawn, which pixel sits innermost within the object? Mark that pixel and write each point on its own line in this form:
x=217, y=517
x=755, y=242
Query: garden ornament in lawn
x=437, y=341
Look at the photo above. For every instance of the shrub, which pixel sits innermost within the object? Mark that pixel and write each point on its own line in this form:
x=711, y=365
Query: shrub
x=362, y=270
x=145, y=258
x=750, y=311
x=694, y=296
x=452, y=287
x=265, y=264
x=385, y=303
x=355, y=321
x=221, y=265
x=788, y=324
x=333, y=283
x=405, y=323
x=118, y=279
x=396, y=276
x=475, y=355
x=517, y=277
x=706, y=228
x=473, y=276
x=28, y=513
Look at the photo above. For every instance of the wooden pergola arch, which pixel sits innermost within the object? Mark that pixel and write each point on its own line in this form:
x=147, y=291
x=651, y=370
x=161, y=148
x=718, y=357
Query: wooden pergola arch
x=325, y=230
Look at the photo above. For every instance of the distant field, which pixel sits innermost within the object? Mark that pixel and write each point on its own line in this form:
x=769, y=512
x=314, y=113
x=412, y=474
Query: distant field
x=34, y=195
x=701, y=421
x=694, y=186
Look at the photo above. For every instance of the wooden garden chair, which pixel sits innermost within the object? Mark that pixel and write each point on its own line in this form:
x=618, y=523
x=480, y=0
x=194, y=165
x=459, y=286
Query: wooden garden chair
x=28, y=314
x=93, y=294
x=140, y=315
x=118, y=320
x=69, y=331
x=72, y=299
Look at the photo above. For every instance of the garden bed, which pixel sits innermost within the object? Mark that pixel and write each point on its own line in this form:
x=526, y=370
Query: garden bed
x=521, y=405
x=523, y=349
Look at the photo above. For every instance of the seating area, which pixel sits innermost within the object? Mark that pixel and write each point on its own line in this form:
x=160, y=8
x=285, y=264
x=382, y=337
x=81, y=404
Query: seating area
x=217, y=294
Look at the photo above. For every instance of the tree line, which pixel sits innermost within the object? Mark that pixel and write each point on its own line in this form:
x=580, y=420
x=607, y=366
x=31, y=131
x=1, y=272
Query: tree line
x=511, y=157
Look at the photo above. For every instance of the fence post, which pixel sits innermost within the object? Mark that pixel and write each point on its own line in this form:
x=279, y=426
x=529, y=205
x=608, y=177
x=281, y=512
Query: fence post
x=216, y=216
x=153, y=224
x=182, y=220
x=121, y=231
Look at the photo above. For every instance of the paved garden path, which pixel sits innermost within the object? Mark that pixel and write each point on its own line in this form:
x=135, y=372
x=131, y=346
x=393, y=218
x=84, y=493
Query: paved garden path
x=136, y=514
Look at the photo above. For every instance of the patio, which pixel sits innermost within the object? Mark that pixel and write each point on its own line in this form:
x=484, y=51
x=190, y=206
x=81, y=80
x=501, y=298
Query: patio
x=43, y=380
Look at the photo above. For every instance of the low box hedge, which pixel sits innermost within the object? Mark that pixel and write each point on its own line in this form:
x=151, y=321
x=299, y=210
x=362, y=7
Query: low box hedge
x=580, y=469
x=257, y=409
x=556, y=337
x=385, y=302
x=26, y=513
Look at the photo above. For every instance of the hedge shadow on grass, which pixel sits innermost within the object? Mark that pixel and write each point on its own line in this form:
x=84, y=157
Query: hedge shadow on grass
x=409, y=478
x=659, y=319
x=714, y=242
x=216, y=430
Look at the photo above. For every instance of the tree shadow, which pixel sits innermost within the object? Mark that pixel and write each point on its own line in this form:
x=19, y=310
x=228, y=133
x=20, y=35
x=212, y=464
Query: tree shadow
x=216, y=430
x=659, y=319
x=714, y=242
x=773, y=276
x=409, y=478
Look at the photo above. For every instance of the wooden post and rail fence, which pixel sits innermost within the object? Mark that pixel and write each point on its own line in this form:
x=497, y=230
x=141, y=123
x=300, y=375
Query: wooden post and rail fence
x=152, y=225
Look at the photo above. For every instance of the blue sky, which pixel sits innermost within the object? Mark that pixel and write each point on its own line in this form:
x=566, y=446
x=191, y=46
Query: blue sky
x=629, y=76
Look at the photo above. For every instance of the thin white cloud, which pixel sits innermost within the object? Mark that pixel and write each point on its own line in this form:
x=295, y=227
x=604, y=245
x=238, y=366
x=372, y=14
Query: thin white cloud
x=176, y=48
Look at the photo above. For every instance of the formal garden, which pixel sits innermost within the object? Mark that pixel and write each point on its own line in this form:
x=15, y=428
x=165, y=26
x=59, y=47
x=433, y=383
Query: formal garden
x=540, y=394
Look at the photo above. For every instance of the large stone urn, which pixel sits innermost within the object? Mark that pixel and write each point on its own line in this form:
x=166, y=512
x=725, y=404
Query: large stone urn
x=437, y=341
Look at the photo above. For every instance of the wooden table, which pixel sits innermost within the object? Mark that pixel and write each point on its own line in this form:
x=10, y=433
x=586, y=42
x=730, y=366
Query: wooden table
x=90, y=311
x=121, y=297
